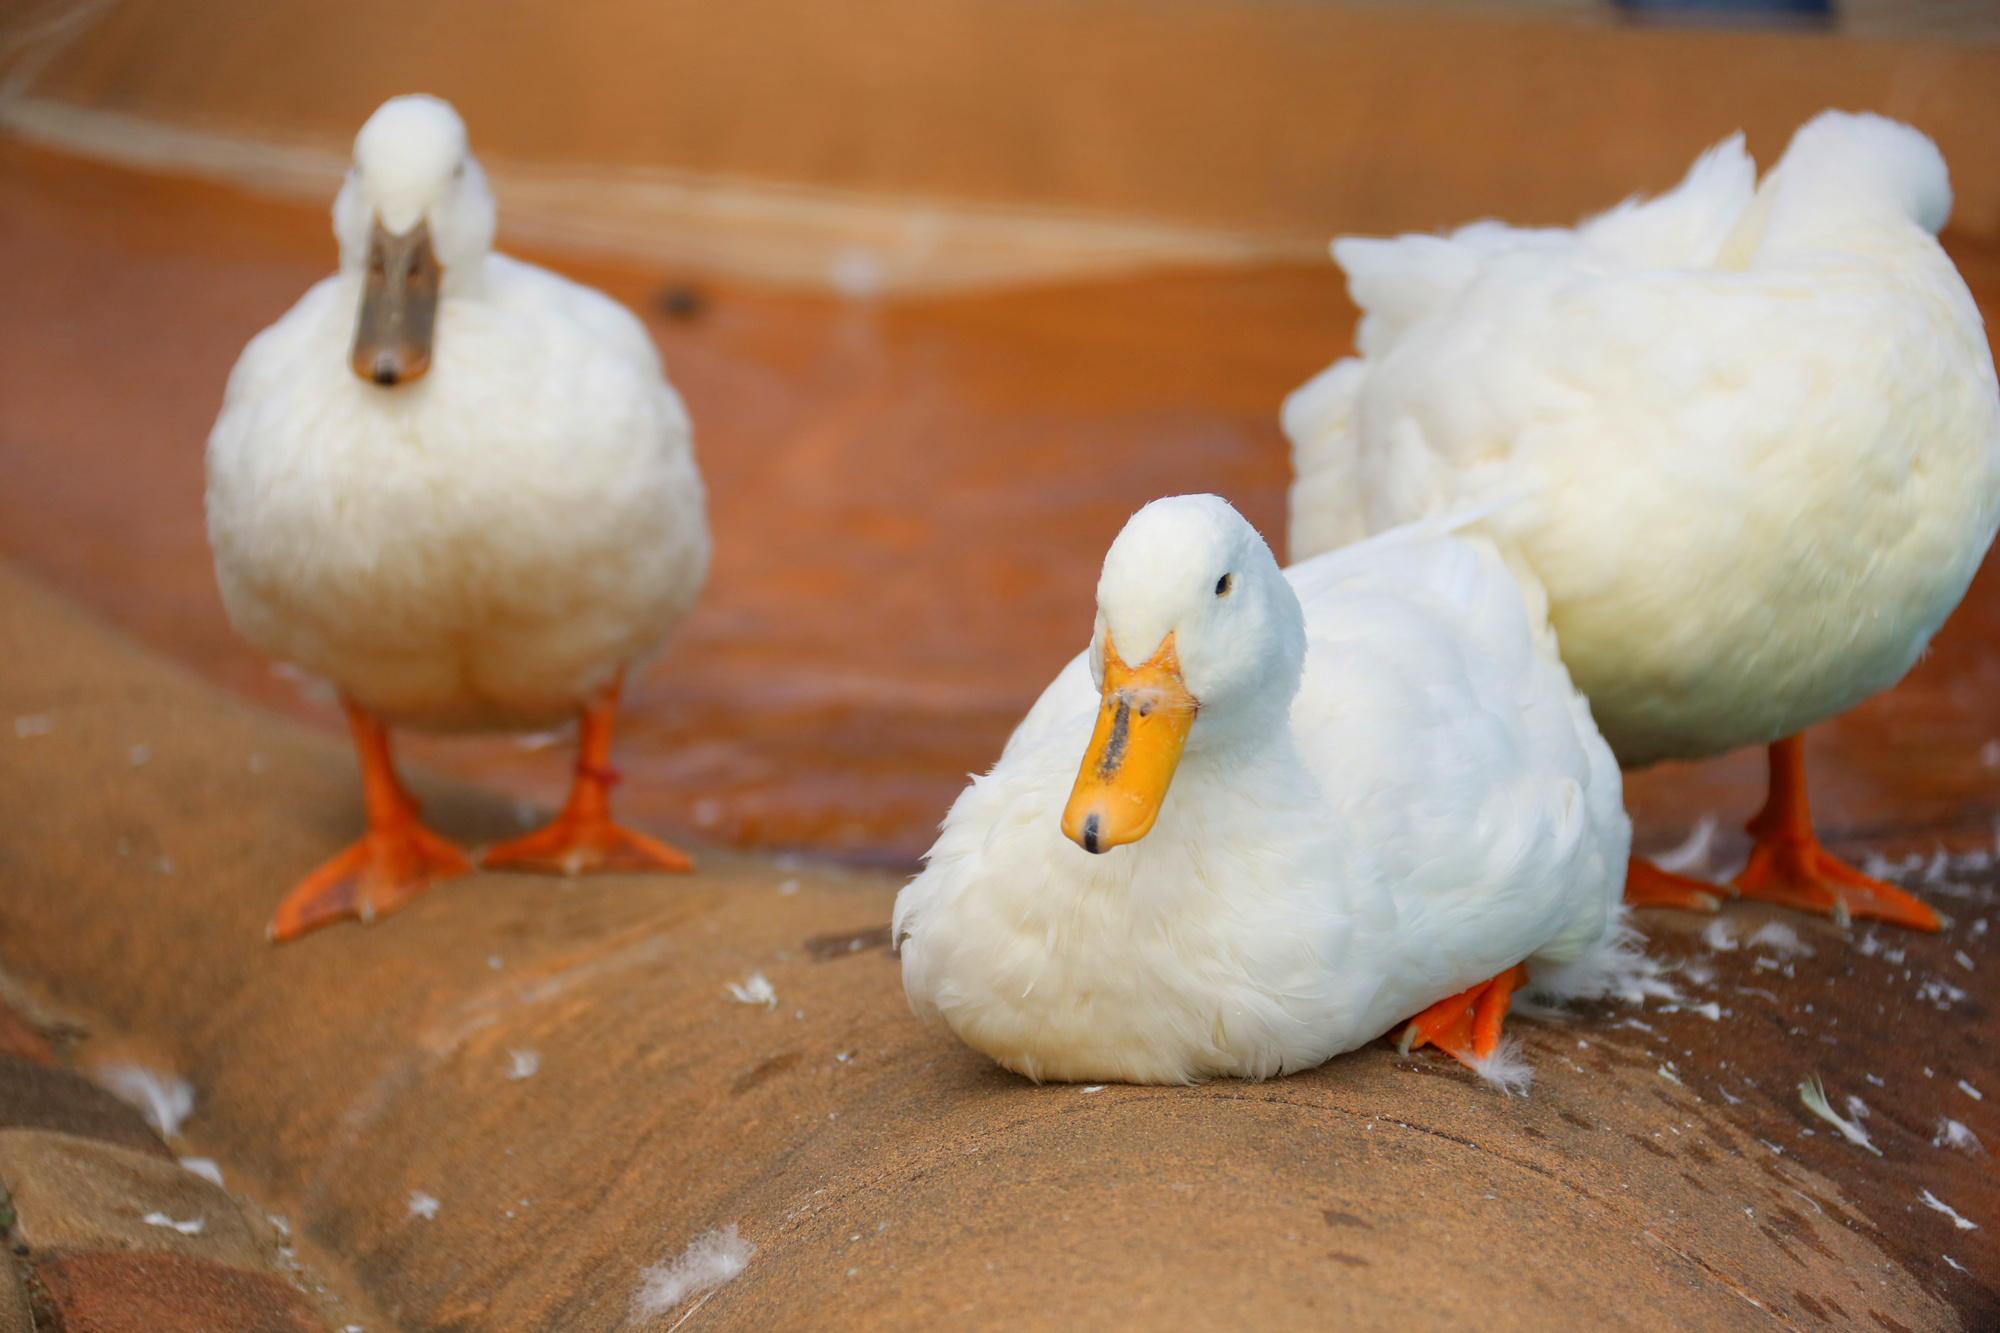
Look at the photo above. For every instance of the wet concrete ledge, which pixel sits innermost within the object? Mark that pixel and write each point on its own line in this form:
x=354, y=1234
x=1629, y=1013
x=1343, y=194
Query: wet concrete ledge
x=495, y=1110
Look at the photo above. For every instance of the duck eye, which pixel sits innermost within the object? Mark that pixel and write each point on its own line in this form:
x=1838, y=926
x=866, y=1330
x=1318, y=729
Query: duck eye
x=1224, y=584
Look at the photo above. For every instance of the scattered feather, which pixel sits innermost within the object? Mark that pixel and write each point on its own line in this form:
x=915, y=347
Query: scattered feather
x=1952, y=1134
x=191, y=1227
x=1813, y=1093
x=1506, y=1069
x=1720, y=935
x=1615, y=967
x=423, y=1205
x=1870, y=945
x=525, y=1064
x=1691, y=857
x=756, y=990
x=1780, y=939
x=1930, y=1200
x=1938, y=991
x=166, y=1100
x=710, y=1260
x=1970, y=1091
x=204, y=1167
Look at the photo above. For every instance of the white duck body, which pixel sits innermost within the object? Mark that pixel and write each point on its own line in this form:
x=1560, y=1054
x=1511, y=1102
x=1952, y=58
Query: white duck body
x=484, y=547
x=1757, y=430
x=1405, y=798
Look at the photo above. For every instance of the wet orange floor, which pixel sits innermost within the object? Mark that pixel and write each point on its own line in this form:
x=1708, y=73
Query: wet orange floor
x=910, y=502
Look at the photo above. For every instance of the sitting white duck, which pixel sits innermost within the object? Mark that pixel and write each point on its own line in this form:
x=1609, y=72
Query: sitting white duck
x=458, y=487
x=1759, y=436
x=1270, y=814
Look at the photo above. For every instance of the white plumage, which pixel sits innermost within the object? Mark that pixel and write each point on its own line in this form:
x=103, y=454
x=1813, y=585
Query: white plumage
x=488, y=545
x=1390, y=793
x=460, y=488
x=1757, y=429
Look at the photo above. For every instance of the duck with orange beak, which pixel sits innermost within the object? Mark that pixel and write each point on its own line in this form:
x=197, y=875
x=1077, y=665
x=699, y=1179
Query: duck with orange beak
x=1268, y=816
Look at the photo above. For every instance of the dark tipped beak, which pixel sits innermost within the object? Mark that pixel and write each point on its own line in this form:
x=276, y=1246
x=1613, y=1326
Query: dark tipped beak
x=399, y=300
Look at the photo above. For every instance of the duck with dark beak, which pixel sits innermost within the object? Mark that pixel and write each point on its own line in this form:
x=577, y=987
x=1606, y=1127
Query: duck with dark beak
x=496, y=549
x=399, y=301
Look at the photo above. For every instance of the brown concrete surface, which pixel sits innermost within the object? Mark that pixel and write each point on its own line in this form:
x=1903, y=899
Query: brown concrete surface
x=19, y=1040
x=14, y=1313
x=910, y=502
x=163, y=1293
x=1275, y=117
x=35, y=1096
x=75, y=1196
x=890, y=1178
x=103, y=1231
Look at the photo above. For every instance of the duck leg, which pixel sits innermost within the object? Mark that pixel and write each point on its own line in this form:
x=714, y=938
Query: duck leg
x=396, y=860
x=1789, y=867
x=582, y=838
x=1466, y=1025
x=1646, y=885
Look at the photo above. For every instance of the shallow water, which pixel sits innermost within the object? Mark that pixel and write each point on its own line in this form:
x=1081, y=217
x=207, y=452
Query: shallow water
x=910, y=502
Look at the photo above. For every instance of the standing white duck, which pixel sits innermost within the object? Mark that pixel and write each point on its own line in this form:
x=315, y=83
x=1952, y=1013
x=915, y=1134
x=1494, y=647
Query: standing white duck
x=1758, y=432
x=1270, y=814
x=458, y=487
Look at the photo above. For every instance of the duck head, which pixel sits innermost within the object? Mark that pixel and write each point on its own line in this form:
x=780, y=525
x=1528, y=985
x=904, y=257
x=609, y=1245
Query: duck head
x=415, y=221
x=1198, y=649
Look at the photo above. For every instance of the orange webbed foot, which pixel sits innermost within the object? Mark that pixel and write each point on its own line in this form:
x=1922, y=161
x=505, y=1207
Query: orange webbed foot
x=1646, y=885
x=583, y=839
x=381, y=873
x=1804, y=876
x=575, y=844
x=395, y=861
x=1790, y=868
x=1466, y=1026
